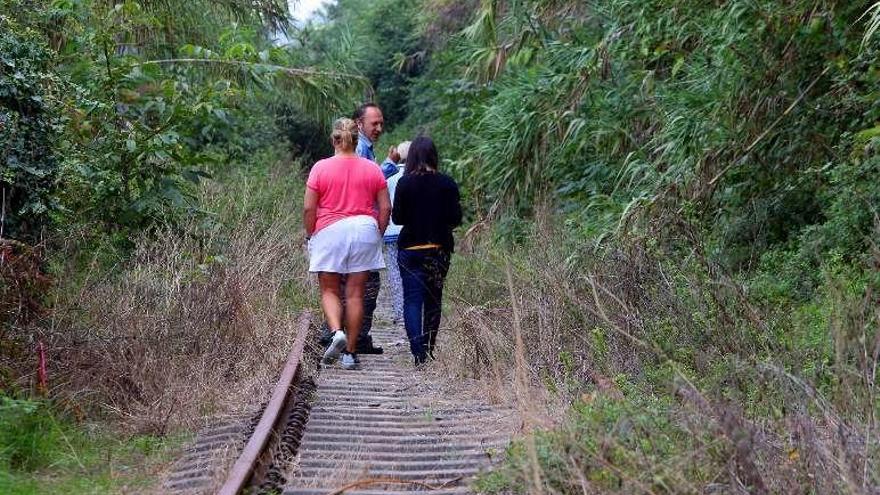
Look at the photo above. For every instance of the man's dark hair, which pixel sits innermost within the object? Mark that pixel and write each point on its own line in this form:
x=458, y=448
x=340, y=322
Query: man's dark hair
x=422, y=156
x=361, y=110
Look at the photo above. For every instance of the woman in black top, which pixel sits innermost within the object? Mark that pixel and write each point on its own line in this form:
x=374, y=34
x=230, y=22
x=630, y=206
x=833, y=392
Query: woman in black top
x=426, y=204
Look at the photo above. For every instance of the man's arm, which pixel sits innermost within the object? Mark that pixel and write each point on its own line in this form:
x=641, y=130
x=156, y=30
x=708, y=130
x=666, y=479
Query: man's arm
x=389, y=168
x=383, y=200
x=310, y=211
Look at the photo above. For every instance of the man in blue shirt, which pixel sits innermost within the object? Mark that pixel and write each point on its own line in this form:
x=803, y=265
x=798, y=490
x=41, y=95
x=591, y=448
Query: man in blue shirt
x=371, y=125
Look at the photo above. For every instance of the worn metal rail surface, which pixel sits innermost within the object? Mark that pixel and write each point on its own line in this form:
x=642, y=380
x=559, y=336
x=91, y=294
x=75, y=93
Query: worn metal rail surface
x=254, y=444
x=270, y=424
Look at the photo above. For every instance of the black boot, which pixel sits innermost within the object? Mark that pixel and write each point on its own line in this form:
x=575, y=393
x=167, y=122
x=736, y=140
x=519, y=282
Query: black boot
x=365, y=346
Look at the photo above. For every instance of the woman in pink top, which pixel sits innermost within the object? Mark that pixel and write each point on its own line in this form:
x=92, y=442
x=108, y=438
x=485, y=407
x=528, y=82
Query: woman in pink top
x=345, y=213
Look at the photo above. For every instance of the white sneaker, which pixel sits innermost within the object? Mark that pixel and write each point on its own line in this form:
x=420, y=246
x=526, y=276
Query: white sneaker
x=349, y=361
x=336, y=346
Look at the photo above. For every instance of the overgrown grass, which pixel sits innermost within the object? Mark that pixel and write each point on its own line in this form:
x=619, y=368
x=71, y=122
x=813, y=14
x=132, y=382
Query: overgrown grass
x=649, y=371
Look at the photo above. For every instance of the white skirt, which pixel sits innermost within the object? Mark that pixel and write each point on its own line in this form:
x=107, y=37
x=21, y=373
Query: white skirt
x=349, y=245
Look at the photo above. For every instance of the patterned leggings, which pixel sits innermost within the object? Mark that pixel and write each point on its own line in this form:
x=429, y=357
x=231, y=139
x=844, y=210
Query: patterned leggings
x=395, y=286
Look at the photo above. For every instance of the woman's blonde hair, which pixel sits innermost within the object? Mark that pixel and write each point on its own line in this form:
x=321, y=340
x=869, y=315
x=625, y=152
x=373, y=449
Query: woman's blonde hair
x=344, y=135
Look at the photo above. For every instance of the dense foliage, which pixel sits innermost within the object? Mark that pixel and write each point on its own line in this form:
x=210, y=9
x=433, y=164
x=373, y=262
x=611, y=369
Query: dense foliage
x=753, y=119
x=757, y=118
x=710, y=246
x=113, y=111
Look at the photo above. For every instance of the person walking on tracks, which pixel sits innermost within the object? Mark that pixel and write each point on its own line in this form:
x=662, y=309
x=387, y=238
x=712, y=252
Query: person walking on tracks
x=392, y=233
x=345, y=212
x=427, y=205
x=371, y=125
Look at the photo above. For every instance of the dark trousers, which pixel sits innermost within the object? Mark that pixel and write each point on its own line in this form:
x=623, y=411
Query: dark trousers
x=371, y=294
x=422, y=272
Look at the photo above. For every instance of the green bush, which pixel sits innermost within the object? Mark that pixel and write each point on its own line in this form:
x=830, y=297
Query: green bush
x=31, y=123
x=609, y=445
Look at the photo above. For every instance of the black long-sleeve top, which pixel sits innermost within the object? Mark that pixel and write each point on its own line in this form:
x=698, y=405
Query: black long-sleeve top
x=428, y=207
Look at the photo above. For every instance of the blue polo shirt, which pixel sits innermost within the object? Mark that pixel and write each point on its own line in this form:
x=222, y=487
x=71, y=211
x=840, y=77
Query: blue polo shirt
x=365, y=150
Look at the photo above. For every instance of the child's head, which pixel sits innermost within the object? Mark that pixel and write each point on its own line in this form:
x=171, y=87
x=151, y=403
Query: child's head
x=403, y=150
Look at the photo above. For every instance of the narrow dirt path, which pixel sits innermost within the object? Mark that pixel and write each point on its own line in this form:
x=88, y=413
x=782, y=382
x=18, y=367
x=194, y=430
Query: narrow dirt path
x=390, y=428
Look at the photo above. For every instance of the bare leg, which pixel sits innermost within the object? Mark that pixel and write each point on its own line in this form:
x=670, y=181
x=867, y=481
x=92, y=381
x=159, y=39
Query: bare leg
x=331, y=301
x=354, y=307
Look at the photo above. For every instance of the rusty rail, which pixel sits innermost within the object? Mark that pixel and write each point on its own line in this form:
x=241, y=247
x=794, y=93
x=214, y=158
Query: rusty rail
x=244, y=466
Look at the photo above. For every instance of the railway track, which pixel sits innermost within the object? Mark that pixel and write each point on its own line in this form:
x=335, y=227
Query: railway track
x=385, y=428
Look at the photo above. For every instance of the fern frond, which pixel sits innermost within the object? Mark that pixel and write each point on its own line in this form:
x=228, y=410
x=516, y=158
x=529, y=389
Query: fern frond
x=321, y=94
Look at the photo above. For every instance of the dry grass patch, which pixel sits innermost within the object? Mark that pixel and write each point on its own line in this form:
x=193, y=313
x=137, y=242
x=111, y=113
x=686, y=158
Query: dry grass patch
x=196, y=322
